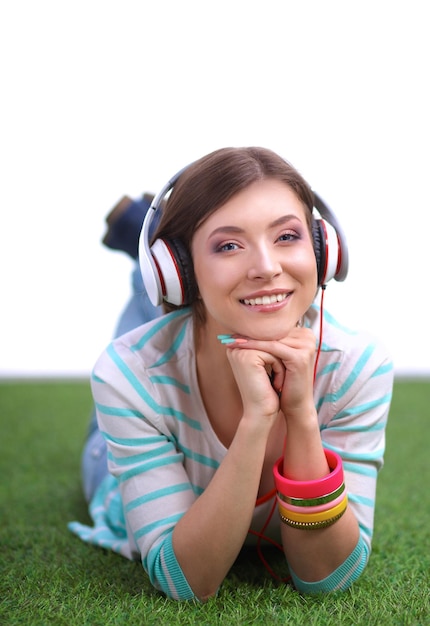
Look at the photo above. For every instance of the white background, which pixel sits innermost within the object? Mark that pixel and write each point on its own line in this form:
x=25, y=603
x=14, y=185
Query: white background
x=102, y=98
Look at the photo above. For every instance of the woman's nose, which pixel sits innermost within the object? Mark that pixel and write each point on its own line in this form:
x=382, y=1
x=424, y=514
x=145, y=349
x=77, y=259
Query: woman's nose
x=264, y=264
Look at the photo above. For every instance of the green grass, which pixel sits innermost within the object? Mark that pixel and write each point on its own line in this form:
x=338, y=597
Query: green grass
x=48, y=576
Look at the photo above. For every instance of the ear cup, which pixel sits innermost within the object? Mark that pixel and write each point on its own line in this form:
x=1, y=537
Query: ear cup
x=319, y=248
x=327, y=250
x=331, y=248
x=175, y=271
x=170, y=275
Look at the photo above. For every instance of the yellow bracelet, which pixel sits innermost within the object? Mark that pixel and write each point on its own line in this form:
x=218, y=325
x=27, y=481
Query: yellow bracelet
x=311, y=525
x=314, y=517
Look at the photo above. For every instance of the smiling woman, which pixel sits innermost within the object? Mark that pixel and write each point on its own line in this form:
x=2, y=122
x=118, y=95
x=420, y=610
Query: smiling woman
x=243, y=397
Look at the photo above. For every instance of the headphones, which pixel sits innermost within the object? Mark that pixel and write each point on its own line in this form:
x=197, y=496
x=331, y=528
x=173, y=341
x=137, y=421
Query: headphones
x=167, y=269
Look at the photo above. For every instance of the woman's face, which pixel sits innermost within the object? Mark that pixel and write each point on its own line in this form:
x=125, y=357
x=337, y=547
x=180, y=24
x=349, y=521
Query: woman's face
x=254, y=262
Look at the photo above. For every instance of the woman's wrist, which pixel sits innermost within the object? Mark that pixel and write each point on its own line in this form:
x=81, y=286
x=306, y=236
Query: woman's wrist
x=304, y=457
x=303, y=415
x=255, y=428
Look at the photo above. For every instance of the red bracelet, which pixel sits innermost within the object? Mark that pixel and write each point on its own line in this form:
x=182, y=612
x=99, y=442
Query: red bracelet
x=310, y=488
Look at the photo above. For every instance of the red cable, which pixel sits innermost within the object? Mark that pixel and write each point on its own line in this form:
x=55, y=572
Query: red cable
x=321, y=330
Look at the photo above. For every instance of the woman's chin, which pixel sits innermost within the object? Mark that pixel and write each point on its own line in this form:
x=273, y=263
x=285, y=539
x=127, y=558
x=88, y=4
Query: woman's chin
x=271, y=334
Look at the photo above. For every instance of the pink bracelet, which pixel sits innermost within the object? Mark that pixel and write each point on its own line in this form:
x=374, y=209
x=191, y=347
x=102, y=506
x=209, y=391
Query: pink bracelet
x=304, y=502
x=311, y=509
x=310, y=488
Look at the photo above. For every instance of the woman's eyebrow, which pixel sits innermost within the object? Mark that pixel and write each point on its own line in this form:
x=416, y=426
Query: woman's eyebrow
x=284, y=219
x=238, y=230
x=227, y=229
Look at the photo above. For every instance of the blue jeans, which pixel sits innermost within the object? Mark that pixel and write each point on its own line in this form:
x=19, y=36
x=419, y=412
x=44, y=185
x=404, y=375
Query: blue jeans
x=138, y=310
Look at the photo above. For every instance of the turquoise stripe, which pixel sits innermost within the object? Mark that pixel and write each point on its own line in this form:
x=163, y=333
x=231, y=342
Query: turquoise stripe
x=96, y=378
x=169, y=380
x=383, y=369
x=361, y=500
x=363, y=408
x=138, y=441
x=162, y=321
x=152, y=562
x=325, y=347
x=178, y=584
x=376, y=455
x=118, y=412
x=165, y=521
x=131, y=459
x=140, y=389
x=145, y=467
x=173, y=348
x=161, y=560
x=159, y=493
x=355, y=372
x=199, y=458
x=365, y=470
x=333, y=322
x=331, y=367
x=365, y=530
x=358, y=428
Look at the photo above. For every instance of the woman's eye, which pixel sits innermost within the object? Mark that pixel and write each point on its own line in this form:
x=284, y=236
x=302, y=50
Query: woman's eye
x=227, y=247
x=290, y=236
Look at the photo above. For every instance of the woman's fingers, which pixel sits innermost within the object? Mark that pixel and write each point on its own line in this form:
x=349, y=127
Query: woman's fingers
x=299, y=345
x=259, y=391
x=292, y=360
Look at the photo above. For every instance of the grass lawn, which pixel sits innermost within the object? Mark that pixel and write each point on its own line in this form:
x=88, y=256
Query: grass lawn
x=48, y=576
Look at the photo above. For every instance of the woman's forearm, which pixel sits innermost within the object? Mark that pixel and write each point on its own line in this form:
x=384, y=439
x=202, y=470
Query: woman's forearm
x=314, y=554
x=210, y=535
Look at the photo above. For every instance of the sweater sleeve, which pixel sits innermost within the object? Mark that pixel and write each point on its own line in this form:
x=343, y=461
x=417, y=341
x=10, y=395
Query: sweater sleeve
x=154, y=487
x=342, y=577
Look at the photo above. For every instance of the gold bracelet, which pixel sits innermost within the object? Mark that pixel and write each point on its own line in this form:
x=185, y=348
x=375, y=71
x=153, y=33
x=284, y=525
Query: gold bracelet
x=310, y=525
x=313, y=501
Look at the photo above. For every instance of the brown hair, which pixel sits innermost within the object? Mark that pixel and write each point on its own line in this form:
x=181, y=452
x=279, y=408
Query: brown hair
x=209, y=183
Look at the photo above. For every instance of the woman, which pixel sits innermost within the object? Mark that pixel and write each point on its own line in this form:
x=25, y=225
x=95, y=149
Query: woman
x=248, y=398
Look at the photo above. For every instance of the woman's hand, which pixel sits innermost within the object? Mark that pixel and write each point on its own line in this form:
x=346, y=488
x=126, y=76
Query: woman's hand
x=292, y=361
x=259, y=391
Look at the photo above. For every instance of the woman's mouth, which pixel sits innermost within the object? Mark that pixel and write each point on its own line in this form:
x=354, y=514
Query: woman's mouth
x=265, y=300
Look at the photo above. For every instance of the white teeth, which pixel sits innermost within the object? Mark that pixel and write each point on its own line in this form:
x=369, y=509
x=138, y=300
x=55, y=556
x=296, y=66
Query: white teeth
x=266, y=299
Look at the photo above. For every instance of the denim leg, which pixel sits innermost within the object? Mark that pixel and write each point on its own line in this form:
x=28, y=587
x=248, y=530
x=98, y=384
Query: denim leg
x=139, y=308
x=93, y=463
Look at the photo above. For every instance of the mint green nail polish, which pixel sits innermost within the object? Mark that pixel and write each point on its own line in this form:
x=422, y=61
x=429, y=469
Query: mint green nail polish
x=228, y=340
x=220, y=337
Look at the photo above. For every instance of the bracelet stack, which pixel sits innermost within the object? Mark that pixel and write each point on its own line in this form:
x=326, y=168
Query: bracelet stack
x=312, y=504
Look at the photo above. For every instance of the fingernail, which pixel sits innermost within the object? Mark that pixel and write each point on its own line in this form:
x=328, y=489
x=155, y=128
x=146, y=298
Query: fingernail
x=227, y=339
x=230, y=340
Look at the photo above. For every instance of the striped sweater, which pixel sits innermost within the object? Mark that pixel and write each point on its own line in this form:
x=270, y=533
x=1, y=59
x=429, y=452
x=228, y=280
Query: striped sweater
x=162, y=451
